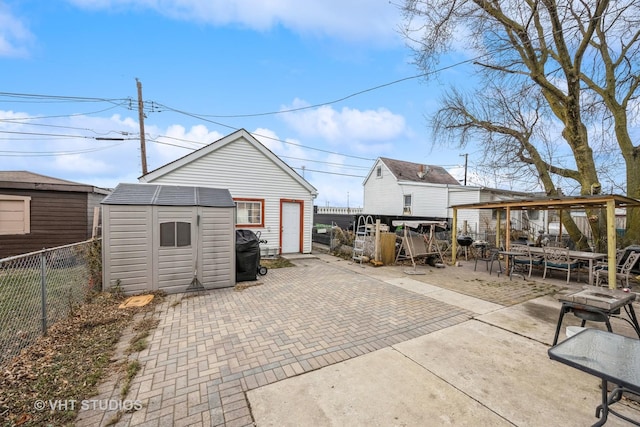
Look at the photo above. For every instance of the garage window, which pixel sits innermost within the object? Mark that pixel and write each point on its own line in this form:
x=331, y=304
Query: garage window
x=249, y=212
x=175, y=234
x=15, y=214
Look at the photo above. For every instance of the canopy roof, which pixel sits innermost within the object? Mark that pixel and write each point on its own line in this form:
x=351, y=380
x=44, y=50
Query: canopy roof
x=579, y=202
x=610, y=202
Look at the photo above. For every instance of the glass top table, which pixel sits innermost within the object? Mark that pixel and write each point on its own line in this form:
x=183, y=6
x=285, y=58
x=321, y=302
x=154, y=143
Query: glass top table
x=608, y=356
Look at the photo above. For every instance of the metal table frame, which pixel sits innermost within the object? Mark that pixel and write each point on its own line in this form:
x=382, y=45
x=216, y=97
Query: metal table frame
x=598, y=314
x=610, y=357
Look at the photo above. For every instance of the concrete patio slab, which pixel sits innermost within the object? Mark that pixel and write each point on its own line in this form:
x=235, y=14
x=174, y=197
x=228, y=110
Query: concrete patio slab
x=383, y=388
x=537, y=319
x=509, y=374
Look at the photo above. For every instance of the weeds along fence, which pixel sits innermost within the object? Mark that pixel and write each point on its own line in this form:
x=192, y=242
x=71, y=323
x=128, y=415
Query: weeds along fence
x=39, y=288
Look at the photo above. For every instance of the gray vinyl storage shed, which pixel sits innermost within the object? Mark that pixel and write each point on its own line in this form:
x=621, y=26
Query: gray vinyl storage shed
x=164, y=237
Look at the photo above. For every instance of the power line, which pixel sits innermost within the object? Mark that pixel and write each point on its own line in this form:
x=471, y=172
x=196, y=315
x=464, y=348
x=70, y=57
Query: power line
x=329, y=173
x=8, y=153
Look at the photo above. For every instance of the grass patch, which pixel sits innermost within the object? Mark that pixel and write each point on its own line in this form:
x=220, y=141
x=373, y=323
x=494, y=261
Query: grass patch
x=66, y=364
x=143, y=328
x=131, y=371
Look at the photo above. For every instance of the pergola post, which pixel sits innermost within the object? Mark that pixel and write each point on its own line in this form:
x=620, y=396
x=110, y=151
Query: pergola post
x=454, y=236
x=611, y=242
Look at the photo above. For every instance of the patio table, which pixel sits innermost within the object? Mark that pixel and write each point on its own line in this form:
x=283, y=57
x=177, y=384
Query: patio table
x=598, y=305
x=590, y=257
x=610, y=357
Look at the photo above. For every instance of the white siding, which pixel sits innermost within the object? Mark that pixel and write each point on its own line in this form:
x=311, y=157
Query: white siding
x=217, y=260
x=127, y=247
x=431, y=200
x=466, y=195
x=382, y=195
x=247, y=173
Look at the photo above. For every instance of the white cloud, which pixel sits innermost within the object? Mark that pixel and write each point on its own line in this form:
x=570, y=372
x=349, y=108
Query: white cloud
x=352, y=20
x=15, y=38
x=347, y=126
x=165, y=146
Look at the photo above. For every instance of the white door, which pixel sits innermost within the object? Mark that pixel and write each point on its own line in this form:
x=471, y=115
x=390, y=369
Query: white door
x=290, y=227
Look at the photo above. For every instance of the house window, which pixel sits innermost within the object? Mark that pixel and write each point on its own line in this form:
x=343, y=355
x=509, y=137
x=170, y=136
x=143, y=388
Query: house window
x=379, y=172
x=249, y=212
x=533, y=214
x=15, y=214
x=407, y=204
x=494, y=214
x=175, y=234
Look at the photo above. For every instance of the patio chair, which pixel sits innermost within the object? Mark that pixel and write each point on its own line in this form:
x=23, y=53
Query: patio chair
x=556, y=244
x=559, y=259
x=488, y=254
x=623, y=270
x=527, y=259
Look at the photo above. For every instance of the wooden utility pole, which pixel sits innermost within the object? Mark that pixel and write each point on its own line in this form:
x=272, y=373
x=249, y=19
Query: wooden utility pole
x=143, y=148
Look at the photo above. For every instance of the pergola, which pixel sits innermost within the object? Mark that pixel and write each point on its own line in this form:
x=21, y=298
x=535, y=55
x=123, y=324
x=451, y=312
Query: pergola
x=609, y=202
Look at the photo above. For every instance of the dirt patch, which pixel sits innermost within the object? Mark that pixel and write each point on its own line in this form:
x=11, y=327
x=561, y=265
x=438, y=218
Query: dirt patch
x=65, y=366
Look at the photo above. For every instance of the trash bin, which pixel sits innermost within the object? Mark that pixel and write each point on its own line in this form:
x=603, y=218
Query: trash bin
x=247, y=255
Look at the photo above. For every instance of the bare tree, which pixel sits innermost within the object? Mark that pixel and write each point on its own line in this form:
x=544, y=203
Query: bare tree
x=540, y=62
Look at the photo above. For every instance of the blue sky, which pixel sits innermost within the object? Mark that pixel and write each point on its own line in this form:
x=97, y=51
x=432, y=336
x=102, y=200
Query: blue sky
x=207, y=68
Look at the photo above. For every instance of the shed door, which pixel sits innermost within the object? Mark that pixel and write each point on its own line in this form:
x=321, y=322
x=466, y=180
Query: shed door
x=175, y=247
x=291, y=226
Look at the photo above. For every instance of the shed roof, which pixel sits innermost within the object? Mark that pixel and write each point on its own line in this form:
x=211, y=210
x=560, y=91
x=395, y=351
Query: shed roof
x=25, y=180
x=169, y=195
x=416, y=172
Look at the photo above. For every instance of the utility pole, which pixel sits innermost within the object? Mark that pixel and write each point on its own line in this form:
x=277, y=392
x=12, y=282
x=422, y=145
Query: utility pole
x=143, y=148
x=466, y=156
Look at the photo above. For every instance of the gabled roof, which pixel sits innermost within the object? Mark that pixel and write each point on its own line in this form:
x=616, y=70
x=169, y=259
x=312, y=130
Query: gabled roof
x=25, y=180
x=229, y=139
x=416, y=172
x=169, y=195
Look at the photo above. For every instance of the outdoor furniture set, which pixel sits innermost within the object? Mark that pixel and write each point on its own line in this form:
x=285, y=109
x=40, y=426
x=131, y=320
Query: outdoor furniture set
x=521, y=260
x=611, y=357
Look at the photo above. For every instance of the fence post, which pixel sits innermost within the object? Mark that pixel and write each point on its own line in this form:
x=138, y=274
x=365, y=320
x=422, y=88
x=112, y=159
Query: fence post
x=43, y=291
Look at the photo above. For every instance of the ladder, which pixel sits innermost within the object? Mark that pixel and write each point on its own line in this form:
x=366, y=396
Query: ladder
x=363, y=229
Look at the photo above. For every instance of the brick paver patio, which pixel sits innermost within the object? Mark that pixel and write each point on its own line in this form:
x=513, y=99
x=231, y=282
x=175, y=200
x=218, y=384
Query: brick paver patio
x=210, y=349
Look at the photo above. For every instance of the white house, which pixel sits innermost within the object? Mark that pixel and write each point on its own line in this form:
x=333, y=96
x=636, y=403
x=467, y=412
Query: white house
x=271, y=198
x=478, y=221
x=399, y=188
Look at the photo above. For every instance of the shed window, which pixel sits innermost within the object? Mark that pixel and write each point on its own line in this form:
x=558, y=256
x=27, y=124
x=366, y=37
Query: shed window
x=249, y=212
x=175, y=234
x=15, y=214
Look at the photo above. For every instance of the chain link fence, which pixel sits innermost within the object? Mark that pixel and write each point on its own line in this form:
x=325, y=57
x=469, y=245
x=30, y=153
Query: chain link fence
x=39, y=288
